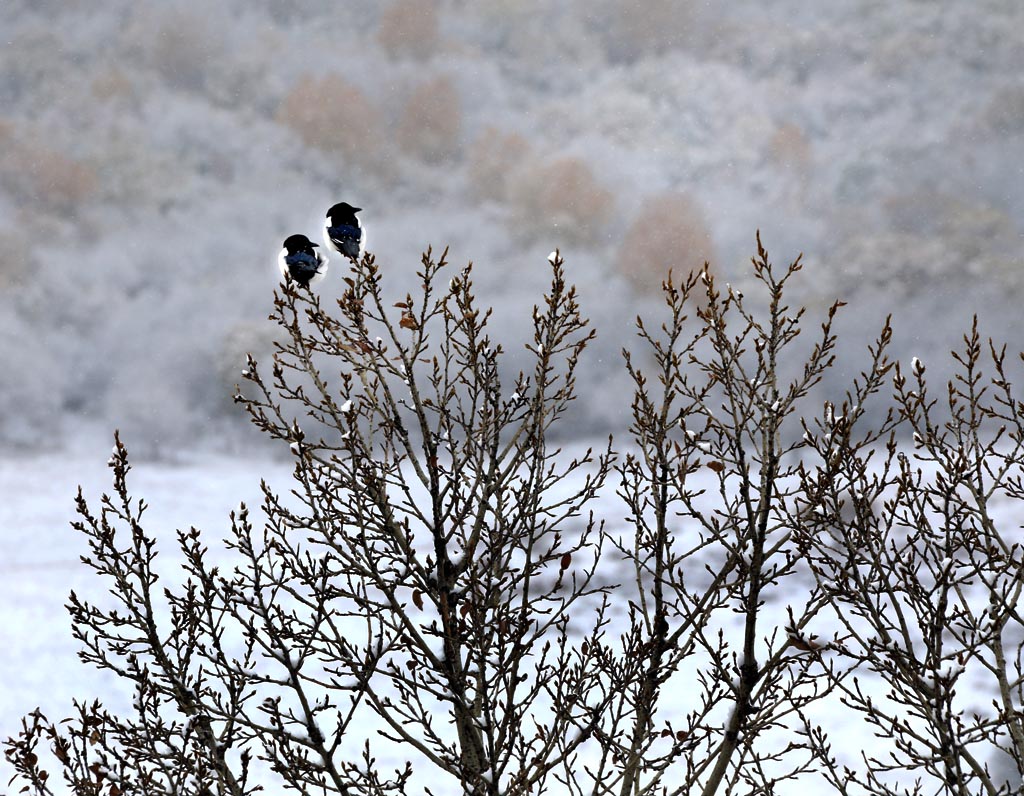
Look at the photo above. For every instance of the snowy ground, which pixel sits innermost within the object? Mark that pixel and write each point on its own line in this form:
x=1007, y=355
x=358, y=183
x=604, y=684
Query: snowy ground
x=39, y=556
x=39, y=563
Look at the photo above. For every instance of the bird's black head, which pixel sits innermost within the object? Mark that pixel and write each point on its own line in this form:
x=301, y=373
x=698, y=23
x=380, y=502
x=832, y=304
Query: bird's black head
x=343, y=213
x=298, y=243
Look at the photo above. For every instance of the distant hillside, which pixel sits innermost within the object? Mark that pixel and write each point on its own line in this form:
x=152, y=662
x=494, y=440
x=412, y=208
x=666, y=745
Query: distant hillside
x=153, y=157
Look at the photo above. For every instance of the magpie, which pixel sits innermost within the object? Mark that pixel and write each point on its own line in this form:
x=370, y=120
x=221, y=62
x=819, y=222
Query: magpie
x=342, y=231
x=299, y=260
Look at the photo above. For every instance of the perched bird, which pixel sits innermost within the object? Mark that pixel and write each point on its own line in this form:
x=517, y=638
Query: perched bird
x=300, y=260
x=342, y=231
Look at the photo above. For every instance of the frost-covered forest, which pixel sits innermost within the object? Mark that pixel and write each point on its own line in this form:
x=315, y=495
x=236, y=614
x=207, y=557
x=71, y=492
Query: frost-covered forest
x=154, y=155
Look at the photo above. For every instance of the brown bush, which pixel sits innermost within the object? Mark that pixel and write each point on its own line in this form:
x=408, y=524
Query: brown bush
x=183, y=47
x=240, y=340
x=41, y=176
x=1005, y=111
x=114, y=85
x=969, y=227
x=133, y=170
x=409, y=28
x=789, y=148
x=431, y=121
x=60, y=182
x=902, y=52
x=15, y=266
x=561, y=196
x=331, y=114
x=670, y=232
x=493, y=158
x=659, y=26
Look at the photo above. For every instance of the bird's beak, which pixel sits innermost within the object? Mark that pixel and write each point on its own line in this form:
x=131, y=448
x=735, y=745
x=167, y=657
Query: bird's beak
x=356, y=209
x=315, y=245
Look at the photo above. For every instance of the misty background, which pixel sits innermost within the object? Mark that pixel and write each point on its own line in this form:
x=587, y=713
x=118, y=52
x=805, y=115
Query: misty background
x=153, y=156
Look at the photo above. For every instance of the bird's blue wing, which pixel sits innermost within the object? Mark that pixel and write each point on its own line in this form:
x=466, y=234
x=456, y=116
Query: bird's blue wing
x=302, y=265
x=345, y=232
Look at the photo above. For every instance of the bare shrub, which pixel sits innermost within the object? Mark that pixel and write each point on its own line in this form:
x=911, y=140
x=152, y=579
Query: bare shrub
x=440, y=586
x=333, y=115
x=410, y=28
x=632, y=33
x=902, y=52
x=431, y=122
x=242, y=339
x=34, y=62
x=61, y=183
x=669, y=232
x=494, y=156
x=16, y=262
x=43, y=177
x=1004, y=113
x=182, y=47
x=133, y=170
x=790, y=149
x=926, y=593
x=536, y=38
x=561, y=196
x=114, y=85
x=969, y=228
x=32, y=392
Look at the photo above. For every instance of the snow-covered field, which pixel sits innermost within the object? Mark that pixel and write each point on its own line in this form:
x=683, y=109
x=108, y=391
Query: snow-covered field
x=40, y=552
x=39, y=562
